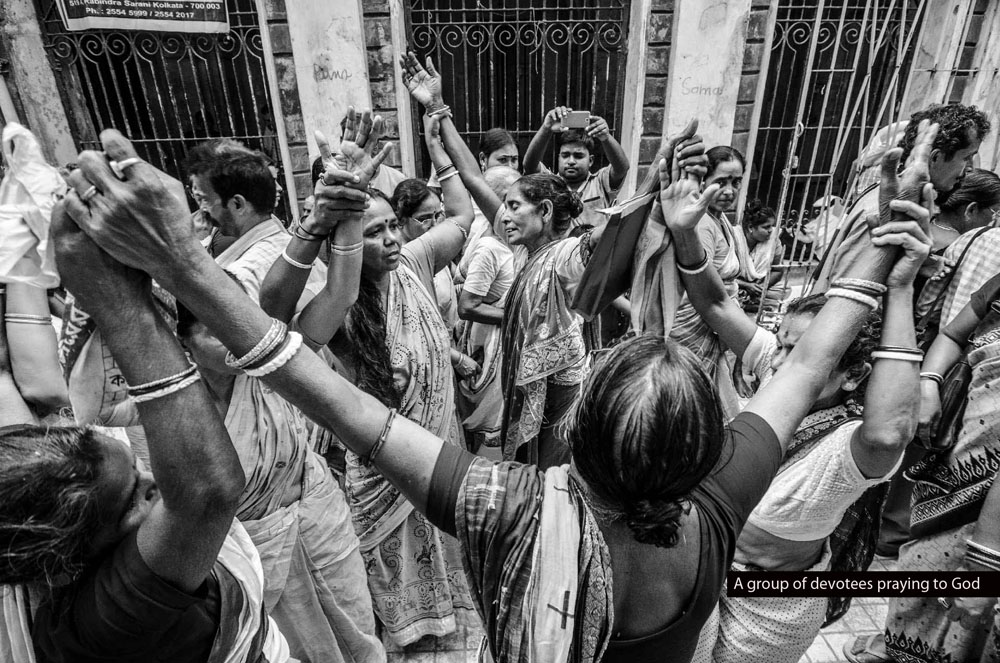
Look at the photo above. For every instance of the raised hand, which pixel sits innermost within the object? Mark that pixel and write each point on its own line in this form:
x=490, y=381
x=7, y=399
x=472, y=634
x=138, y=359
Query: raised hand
x=691, y=158
x=908, y=185
x=598, y=128
x=554, y=118
x=682, y=202
x=360, y=162
x=424, y=84
x=99, y=283
x=363, y=130
x=136, y=219
x=911, y=235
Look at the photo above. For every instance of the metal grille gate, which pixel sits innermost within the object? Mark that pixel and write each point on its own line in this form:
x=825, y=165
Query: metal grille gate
x=166, y=91
x=508, y=62
x=836, y=75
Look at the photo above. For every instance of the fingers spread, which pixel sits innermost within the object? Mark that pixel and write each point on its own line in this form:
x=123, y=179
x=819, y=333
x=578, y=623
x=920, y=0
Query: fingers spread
x=334, y=175
x=431, y=69
x=709, y=195
x=381, y=156
x=325, y=153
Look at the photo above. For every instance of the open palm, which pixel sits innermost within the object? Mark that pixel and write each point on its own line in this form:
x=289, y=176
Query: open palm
x=424, y=84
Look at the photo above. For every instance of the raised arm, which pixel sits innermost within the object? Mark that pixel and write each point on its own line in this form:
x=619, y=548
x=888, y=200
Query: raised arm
x=449, y=236
x=536, y=148
x=681, y=207
x=891, y=401
x=138, y=231
x=425, y=86
x=786, y=399
x=599, y=130
x=198, y=474
x=356, y=164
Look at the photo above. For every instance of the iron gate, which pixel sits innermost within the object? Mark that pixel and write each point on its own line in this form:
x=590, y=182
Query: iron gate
x=508, y=62
x=836, y=75
x=166, y=91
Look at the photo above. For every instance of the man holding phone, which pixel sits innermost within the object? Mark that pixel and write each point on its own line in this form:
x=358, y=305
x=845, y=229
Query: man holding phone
x=577, y=132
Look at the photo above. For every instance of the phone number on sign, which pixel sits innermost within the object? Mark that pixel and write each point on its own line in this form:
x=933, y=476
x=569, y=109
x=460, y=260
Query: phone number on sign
x=145, y=13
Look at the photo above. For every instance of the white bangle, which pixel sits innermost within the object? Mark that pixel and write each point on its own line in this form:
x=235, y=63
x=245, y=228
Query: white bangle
x=697, y=269
x=854, y=296
x=899, y=356
x=272, y=339
x=166, y=391
x=283, y=357
x=293, y=262
x=449, y=175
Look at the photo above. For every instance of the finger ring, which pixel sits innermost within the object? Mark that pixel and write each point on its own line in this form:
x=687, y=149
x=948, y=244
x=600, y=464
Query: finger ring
x=120, y=166
x=89, y=193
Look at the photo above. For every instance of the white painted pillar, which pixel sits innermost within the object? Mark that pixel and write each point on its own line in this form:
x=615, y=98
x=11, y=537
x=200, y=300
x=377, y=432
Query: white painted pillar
x=706, y=56
x=635, y=90
x=36, y=86
x=331, y=65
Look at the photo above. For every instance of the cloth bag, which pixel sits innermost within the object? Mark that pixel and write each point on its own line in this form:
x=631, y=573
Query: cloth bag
x=28, y=192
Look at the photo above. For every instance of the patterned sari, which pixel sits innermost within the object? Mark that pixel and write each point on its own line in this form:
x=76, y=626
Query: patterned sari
x=948, y=494
x=414, y=572
x=543, y=348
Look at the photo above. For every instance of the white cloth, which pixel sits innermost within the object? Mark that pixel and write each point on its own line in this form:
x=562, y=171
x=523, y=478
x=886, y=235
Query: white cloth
x=808, y=500
x=28, y=193
x=251, y=256
x=772, y=629
x=15, y=629
x=554, y=577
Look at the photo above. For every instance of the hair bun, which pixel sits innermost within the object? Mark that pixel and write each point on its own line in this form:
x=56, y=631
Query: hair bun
x=655, y=521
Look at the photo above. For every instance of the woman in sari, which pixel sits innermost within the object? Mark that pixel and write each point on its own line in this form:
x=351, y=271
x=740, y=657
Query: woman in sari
x=954, y=523
x=571, y=564
x=544, y=356
x=379, y=316
x=725, y=168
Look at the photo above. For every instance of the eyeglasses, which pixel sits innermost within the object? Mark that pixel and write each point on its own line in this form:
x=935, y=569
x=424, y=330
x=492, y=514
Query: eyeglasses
x=433, y=217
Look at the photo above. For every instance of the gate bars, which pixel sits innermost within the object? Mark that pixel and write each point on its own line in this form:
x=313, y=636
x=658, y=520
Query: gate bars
x=511, y=61
x=166, y=91
x=836, y=76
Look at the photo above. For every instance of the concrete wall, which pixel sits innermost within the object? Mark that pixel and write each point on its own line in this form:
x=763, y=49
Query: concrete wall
x=31, y=83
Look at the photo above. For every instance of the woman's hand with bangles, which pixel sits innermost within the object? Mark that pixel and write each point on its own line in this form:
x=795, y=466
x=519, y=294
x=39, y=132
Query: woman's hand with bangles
x=424, y=84
x=466, y=367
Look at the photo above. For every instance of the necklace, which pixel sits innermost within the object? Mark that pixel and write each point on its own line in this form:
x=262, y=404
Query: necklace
x=935, y=223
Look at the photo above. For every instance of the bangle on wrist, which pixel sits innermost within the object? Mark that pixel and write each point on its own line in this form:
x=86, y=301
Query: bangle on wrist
x=933, y=377
x=444, y=169
x=697, y=268
x=442, y=178
x=898, y=356
x=306, y=236
x=380, y=442
x=293, y=262
x=853, y=295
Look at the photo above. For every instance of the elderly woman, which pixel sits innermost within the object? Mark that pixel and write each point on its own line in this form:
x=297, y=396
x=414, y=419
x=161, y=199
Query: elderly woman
x=378, y=314
x=578, y=563
x=113, y=564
